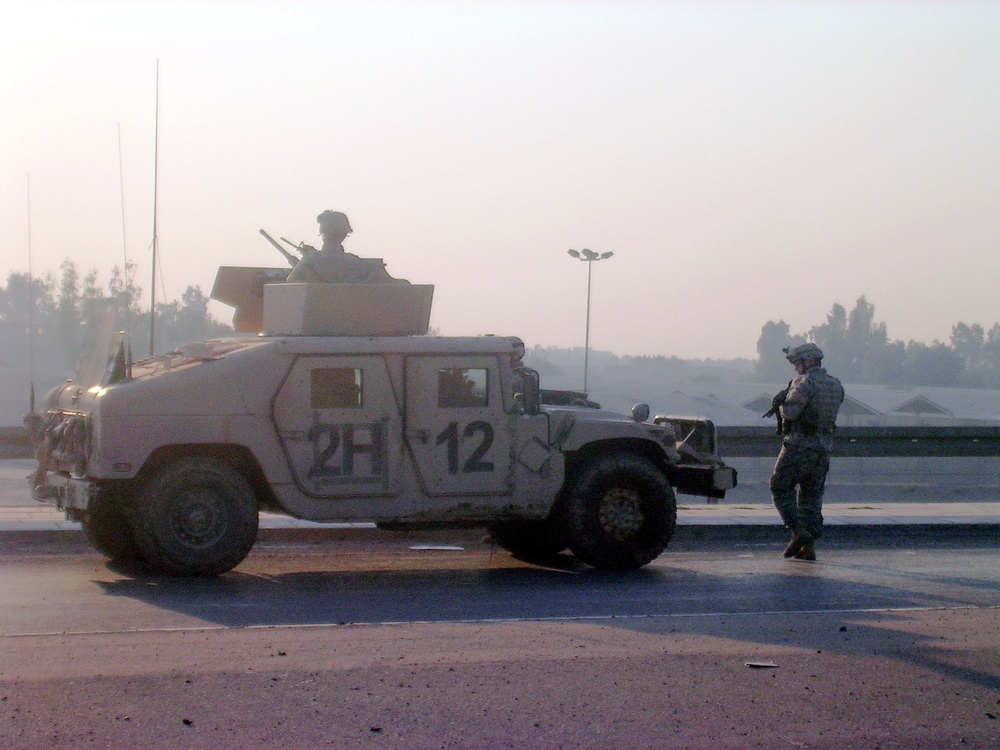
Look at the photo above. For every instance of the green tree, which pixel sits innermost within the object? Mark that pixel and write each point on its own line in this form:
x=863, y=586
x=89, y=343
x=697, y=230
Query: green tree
x=831, y=337
x=857, y=348
x=889, y=367
x=68, y=307
x=853, y=341
x=933, y=365
x=188, y=320
x=130, y=317
x=92, y=298
x=968, y=342
x=27, y=300
x=866, y=341
x=771, y=364
x=125, y=294
x=990, y=357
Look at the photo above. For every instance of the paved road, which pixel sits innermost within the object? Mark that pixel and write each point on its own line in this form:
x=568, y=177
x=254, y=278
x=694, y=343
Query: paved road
x=407, y=645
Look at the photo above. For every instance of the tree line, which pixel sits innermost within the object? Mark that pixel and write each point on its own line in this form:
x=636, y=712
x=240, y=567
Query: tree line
x=857, y=347
x=63, y=309
x=858, y=350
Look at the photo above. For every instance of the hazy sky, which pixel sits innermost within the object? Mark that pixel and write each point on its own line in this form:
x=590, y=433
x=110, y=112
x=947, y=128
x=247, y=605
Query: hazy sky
x=745, y=161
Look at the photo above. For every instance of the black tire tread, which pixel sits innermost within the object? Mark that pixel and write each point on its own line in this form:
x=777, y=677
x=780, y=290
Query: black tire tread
x=168, y=554
x=107, y=524
x=584, y=490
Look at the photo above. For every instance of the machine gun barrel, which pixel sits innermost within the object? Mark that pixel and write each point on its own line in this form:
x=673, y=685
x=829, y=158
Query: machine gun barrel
x=288, y=256
x=302, y=247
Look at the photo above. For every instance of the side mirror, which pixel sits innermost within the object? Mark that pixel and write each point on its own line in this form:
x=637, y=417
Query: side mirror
x=532, y=399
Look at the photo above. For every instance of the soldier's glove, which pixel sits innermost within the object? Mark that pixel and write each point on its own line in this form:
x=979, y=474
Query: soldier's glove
x=776, y=403
x=775, y=410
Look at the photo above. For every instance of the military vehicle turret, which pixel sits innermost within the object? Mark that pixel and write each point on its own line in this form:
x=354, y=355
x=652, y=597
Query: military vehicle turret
x=334, y=405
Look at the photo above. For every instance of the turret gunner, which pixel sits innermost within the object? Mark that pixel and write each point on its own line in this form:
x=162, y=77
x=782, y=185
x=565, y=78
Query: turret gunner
x=331, y=264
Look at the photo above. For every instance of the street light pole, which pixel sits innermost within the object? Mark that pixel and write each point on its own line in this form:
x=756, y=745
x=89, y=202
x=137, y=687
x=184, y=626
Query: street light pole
x=588, y=257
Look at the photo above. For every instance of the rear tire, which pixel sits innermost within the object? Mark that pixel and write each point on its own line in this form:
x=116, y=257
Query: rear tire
x=620, y=511
x=196, y=517
x=107, y=524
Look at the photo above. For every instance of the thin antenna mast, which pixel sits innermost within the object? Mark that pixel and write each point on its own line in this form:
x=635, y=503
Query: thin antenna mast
x=128, y=280
x=31, y=312
x=156, y=149
x=31, y=420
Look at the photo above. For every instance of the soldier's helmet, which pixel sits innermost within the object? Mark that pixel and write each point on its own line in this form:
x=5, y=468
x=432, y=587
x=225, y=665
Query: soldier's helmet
x=333, y=221
x=802, y=352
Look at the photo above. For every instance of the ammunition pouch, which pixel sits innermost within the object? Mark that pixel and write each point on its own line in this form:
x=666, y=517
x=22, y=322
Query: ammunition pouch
x=802, y=427
x=808, y=421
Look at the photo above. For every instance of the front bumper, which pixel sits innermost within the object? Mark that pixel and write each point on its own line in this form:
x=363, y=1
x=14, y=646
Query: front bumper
x=70, y=494
x=699, y=479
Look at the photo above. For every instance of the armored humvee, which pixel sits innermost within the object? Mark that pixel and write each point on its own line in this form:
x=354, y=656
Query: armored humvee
x=332, y=404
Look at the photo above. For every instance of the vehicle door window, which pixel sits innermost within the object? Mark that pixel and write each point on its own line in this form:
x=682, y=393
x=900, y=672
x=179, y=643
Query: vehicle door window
x=336, y=388
x=462, y=387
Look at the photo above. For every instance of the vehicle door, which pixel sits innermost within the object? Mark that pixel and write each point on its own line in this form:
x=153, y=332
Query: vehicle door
x=456, y=427
x=340, y=426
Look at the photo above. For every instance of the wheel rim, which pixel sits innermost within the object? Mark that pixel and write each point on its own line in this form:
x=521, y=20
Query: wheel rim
x=196, y=520
x=620, y=513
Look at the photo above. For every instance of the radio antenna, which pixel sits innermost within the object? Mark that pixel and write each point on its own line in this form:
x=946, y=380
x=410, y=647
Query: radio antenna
x=31, y=311
x=156, y=149
x=31, y=420
x=128, y=277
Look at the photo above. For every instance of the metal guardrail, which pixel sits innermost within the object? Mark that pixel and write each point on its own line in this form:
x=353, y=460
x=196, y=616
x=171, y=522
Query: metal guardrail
x=871, y=442
x=760, y=442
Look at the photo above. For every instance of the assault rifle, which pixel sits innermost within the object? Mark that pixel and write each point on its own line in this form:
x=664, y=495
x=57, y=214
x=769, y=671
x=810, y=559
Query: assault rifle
x=302, y=247
x=775, y=410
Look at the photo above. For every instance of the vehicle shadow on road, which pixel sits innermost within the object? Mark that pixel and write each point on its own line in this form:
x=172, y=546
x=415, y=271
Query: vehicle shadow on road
x=693, y=594
x=478, y=582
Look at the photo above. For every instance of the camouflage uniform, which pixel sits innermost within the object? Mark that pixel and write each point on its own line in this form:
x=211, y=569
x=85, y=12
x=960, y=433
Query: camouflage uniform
x=809, y=413
x=331, y=265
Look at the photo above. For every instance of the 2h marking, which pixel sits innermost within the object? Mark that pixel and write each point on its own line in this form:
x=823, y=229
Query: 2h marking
x=336, y=448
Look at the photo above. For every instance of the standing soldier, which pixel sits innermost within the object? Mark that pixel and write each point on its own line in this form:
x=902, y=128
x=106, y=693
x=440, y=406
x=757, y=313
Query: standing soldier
x=808, y=412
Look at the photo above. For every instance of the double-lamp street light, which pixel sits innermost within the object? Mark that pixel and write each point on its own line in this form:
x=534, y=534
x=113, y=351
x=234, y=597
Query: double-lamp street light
x=588, y=257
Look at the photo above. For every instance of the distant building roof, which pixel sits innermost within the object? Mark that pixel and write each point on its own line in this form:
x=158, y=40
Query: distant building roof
x=854, y=408
x=742, y=403
x=920, y=405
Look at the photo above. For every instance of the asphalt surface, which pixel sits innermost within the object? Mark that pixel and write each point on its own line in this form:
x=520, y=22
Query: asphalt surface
x=411, y=646
x=321, y=638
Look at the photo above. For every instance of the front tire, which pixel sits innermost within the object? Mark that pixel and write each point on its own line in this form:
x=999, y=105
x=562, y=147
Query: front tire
x=107, y=524
x=196, y=517
x=620, y=510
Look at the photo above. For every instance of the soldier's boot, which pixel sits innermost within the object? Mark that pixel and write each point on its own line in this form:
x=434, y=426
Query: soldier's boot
x=807, y=552
x=800, y=538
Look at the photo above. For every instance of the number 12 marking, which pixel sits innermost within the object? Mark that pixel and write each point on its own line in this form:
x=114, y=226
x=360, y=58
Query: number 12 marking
x=449, y=436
